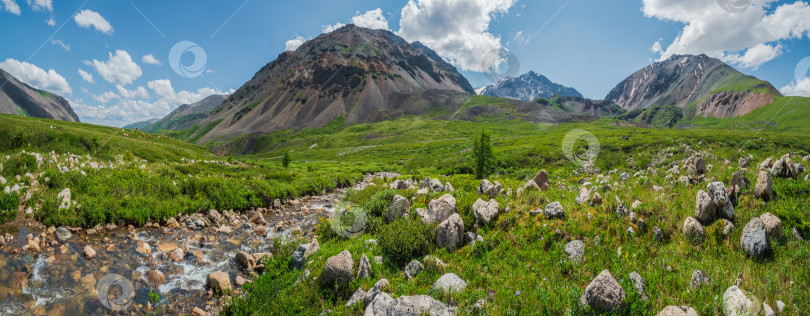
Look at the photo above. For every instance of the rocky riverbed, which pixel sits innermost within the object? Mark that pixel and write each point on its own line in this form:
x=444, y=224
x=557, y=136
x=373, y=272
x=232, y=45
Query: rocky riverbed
x=60, y=271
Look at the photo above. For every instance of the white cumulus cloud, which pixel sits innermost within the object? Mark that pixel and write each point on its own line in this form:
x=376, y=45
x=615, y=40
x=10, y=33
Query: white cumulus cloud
x=41, y=5
x=330, y=28
x=11, y=6
x=86, y=76
x=119, y=68
x=87, y=18
x=135, y=108
x=456, y=30
x=37, y=77
x=373, y=19
x=799, y=87
x=294, y=43
x=150, y=59
x=748, y=38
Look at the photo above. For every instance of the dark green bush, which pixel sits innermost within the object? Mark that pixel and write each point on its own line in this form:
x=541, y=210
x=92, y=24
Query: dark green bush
x=8, y=207
x=19, y=165
x=750, y=145
x=405, y=240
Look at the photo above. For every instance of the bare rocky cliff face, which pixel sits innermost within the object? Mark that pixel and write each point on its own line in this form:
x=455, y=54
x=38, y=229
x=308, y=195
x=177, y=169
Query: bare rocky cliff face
x=716, y=89
x=361, y=74
x=528, y=87
x=19, y=98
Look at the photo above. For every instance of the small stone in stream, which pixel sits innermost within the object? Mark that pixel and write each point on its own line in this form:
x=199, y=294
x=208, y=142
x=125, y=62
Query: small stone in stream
x=412, y=269
x=89, y=253
x=177, y=255
x=698, y=279
x=218, y=281
x=363, y=268
x=143, y=248
x=604, y=294
x=245, y=261
x=154, y=278
x=172, y=223
x=240, y=281
x=261, y=230
x=63, y=234
x=199, y=312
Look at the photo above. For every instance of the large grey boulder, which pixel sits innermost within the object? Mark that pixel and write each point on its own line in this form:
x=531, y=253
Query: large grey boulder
x=218, y=281
x=698, y=279
x=773, y=226
x=440, y=209
x=338, y=269
x=704, y=208
x=376, y=290
x=604, y=294
x=398, y=185
x=722, y=203
x=693, y=230
x=484, y=211
x=764, y=187
x=398, y=207
x=418, y=305
x=737, y=302
x=754, y=240
x=783, y=168
x=435, y=185
x=356, y=297
x=554, y=210
x=302, y=253
x=448, y=283
x=575, y=250
x=638, y=283
x=450, y=233
x=412, y=269
x=489, y=188
x=364, y=268
x=673, y=310
x=584, y=196
x=380, y=306
x=695, y=166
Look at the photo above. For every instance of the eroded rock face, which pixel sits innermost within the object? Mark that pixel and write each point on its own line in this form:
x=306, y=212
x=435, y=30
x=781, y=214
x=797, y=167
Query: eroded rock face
x=604, y=294
x=218, y=281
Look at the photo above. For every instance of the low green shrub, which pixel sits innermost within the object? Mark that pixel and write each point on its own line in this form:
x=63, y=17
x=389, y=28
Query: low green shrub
x=405, y=240
x=8, y=207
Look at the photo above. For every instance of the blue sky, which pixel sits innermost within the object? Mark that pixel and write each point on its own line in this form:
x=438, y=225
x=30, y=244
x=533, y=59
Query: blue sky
x=589, y=45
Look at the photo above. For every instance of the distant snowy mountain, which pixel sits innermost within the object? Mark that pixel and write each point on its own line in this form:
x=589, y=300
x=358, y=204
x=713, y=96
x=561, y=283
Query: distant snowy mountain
x=527, y=87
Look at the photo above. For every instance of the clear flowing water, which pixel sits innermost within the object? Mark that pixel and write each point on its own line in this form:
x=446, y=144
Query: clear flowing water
x=59, y=280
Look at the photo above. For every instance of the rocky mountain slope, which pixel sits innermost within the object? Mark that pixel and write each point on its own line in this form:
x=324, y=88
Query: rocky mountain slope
x=702, y=85
x=18, y=98
x=140, y=125
x=186, y=115
x=528, y=87
x=583, y=106
x=361, y=74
